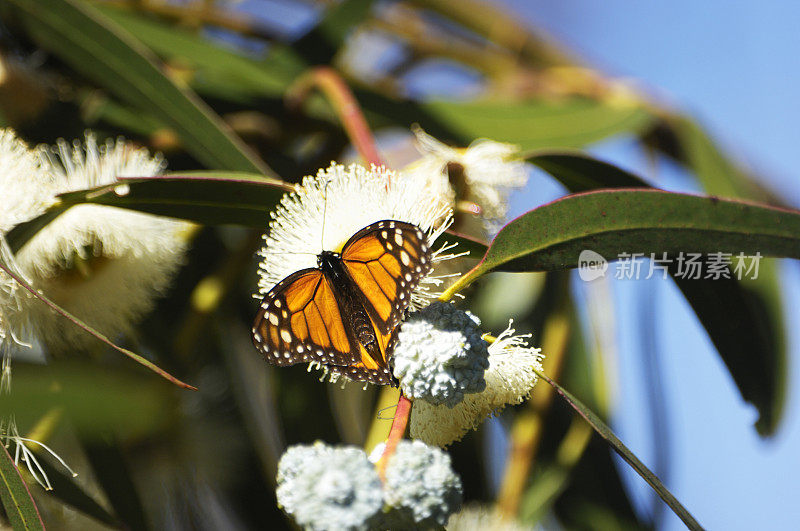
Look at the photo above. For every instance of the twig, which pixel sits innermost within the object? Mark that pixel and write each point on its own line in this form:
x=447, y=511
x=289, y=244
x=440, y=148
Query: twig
x=64, y=313
x=338, y=94
x=395, y=434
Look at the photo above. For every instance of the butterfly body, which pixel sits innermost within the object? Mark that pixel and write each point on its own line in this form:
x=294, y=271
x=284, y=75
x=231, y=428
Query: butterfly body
x=344, y=313
x=351, y=304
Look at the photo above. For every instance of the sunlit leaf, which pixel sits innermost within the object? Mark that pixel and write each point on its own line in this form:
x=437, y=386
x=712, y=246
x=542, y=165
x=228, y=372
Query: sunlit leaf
x=538, y=124
x=638, y=221
x=20, y=508
x=742, y=317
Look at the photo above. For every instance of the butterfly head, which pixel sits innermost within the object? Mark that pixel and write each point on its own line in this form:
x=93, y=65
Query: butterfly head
x=326, y=257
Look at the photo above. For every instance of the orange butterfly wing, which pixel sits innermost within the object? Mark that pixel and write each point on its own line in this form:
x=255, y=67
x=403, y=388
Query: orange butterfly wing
x=300, y=321
x=386, y=260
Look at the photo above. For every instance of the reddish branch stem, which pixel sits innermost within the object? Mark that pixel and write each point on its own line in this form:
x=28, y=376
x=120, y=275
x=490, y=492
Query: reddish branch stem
x=399, y=424
x=338, y=94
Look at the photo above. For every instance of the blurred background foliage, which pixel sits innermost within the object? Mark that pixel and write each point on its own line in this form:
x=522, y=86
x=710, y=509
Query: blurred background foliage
x=210, y=85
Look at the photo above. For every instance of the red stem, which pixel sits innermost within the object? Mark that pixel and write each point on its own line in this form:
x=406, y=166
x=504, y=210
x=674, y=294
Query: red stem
x=333, y=87
x=399, y=424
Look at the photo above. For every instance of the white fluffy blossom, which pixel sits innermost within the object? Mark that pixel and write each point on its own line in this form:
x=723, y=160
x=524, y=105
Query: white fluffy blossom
x=20, y=199
x=509, y=380
x=483, y=173
x=327, y=209
x=103, y=264
x=323, y=487
x=421, y=487
x=440, y=355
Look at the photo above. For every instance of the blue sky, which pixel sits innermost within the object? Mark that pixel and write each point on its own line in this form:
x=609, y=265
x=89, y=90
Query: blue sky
x=735, y=66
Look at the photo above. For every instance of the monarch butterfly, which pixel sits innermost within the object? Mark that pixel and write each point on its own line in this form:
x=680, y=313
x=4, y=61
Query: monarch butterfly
x=344, y=313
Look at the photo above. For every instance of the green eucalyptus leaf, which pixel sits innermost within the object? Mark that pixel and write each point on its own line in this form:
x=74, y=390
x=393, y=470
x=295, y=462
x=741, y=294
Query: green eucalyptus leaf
x=652, y=221
x=539, y=124
x=743, y=317
x=579, y=172
x=611, y=222
x=218, y=71
x=759, y=300
x=106, y=53
x=20, y=508
x=213, y=198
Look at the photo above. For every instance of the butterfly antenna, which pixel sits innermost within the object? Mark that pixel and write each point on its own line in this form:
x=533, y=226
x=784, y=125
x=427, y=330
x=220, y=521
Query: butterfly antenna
x=286, y=252
x=324, y=213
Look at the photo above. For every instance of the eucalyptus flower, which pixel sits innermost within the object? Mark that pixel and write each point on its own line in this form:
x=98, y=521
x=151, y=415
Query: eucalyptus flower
x=509, y=380
x=324, y=487
x=483, y=173
x=103, y=264
x=325, y=210
x=421, y=487
x=440, y=355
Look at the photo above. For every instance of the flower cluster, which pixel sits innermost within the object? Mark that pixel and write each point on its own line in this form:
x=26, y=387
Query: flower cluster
x=103, y=264
x=440, y=355
x=510, y=379
x=421, y=486
x=324, y=487
x=457, y=378
x=484, y=173
x=100, y=263
x=327, y=209
x=329, y=488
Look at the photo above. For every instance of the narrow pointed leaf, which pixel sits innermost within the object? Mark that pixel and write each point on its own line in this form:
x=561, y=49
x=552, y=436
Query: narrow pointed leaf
x=107, y=54
x=580, y=173
x=652, y=221
x=15, y=496
x=211, y=198
x=219, y=71
x=605, y=432
x=743, y=318
x=538, y=124
x=611, y=222
x=760, y=297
